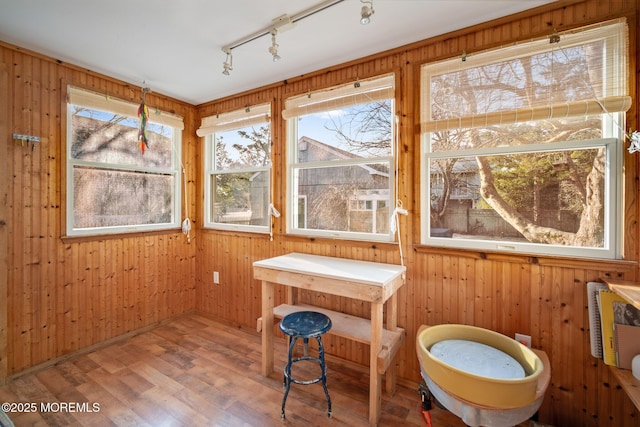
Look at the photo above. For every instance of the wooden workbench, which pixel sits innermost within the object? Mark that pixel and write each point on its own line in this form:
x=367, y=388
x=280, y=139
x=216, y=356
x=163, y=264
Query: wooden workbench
x=373, y=282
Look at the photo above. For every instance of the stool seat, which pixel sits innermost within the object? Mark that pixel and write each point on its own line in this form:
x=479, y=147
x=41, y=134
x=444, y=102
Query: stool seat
x=305, y=324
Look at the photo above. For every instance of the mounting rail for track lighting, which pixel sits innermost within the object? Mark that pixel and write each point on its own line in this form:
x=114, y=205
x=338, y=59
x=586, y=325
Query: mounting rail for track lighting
x=282, y=24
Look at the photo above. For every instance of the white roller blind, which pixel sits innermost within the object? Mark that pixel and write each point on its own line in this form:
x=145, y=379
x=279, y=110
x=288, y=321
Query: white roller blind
x=103, y=102
x=613, y=104
x=373, y=90
x=237, y=119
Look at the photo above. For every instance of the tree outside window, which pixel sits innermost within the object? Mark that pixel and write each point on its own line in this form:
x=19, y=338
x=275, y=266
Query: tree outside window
x=238, y=169
x=240, y=183
x=111, y=186
x=521, y=147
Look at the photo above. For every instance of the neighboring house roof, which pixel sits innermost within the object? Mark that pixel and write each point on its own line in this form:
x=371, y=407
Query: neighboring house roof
x=462, y=165
x=319, y=151
x=331, y=153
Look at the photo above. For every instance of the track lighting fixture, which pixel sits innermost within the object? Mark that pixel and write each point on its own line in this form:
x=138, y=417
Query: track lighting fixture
x=286, y=22
x=273, y=49
x=228, y=63
x=366, y=12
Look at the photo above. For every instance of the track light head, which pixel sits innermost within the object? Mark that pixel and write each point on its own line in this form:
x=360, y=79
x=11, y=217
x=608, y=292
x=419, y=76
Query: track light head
x=366, y=12
x=274, y=52
x=273, y=49
x=228, y=62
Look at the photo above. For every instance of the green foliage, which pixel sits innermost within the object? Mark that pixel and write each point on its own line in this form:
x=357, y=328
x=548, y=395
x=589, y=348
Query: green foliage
x=233, y=191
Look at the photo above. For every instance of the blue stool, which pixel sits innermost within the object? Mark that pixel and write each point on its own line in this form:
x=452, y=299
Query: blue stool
x=305, y=325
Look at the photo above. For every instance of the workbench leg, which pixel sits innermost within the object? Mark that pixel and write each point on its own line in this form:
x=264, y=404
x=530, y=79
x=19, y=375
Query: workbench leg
x=375, y=379
x=267, y=328
x=390, y=380
x=392, y=325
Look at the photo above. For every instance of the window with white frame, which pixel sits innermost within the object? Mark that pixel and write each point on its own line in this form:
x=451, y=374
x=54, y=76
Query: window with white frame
x=111, y=186
x=340, y=175
x=238, y=169
x=522, y=146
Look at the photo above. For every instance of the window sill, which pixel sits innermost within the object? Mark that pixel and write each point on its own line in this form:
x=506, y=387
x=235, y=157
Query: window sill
x=617, y=265
x=371, y=244
x=94, y=237
x=239, y=233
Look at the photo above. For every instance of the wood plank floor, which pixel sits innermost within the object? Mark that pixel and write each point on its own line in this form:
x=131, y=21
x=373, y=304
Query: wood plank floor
x=194, y=371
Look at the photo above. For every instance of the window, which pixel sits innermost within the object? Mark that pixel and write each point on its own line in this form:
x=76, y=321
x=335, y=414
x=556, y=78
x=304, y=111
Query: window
x=340, y=161
x=111, y=186
x=238, y=169
x=367, y=208
x=522, y=146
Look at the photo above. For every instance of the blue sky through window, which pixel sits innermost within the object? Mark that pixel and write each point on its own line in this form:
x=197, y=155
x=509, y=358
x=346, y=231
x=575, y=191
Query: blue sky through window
x=133, y=122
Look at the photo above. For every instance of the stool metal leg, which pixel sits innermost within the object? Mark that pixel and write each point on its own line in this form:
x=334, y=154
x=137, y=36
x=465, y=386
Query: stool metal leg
x=286, y=382
x=324, y=375
x=288, y=378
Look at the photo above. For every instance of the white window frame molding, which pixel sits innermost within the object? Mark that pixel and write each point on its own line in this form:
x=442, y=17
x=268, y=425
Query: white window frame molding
x=613, y=141
x=108, y=104
x=233, y=120
x=377, y=88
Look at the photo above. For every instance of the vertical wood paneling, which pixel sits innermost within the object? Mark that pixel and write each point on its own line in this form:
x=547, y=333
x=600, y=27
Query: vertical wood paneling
x=49, y=129
x=66, y=295
x=4, y=218
x=57, y=297
x=15, y=222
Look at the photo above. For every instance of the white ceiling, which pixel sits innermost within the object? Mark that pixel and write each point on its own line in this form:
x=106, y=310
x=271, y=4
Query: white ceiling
x=175, y=47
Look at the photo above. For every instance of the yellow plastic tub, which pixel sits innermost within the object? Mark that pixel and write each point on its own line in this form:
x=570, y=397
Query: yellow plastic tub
x=480, y=390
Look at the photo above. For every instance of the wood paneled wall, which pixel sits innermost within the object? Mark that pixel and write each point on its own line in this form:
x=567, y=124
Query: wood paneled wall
x=58, y=294
x=541, y=296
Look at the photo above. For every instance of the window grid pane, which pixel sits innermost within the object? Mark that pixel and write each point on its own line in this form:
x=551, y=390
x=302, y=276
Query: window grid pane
x=240, y=198
x=341, y=198
x=108, y=138
x=108, y=198
x=549, y=199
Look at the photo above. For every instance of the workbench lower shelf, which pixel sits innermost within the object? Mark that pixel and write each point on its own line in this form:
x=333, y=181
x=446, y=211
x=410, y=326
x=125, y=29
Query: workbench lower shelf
x=349, y=327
